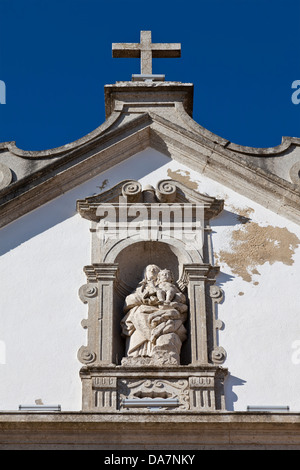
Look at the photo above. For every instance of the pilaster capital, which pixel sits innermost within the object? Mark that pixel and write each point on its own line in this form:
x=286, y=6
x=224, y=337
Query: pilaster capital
x=198, y=272
x=101, y=271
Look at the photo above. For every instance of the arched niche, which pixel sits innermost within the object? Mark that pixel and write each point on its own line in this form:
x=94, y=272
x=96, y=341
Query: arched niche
x=135, y=256
x=132, y=261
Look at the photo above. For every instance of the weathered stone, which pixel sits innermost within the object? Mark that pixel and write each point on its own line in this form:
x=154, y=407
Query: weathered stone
x=157, y=316
x=5, y=176
x=146, y=50
x=158, y=115
x=146, y=431
x=153, y=322
x=197, y=389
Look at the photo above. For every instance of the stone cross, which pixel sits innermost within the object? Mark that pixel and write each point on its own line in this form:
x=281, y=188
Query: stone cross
x=146, y=51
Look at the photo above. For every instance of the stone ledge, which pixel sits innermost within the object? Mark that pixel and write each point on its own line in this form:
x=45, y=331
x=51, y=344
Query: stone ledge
x=14, y=419
x=149, y=431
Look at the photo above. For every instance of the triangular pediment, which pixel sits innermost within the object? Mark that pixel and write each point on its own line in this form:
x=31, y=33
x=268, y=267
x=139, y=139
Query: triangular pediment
x=132, y=127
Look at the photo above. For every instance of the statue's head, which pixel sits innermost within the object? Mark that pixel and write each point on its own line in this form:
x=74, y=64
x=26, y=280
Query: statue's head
x=151, y=272
x=165, y=275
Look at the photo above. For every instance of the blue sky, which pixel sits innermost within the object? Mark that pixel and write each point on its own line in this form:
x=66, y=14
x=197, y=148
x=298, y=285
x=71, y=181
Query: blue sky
x=241, y=55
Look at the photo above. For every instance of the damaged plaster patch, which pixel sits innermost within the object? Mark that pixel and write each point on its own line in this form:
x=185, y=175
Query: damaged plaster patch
x=39, y=401
x=253, y=245
x=183, y=176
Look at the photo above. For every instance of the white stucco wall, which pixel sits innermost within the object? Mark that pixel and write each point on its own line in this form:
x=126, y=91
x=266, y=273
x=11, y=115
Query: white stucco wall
x=42, y=256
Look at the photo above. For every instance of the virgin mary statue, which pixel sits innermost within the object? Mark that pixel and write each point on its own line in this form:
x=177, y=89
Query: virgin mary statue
x=153, y=329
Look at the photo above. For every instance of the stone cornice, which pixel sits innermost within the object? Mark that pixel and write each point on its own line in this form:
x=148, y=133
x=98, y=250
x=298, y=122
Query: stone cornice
x=11, y=419
x=101, y=270
x=285, y=144
x=160, y=120
x=206, y=430
x=62, y=150
x=167, y=191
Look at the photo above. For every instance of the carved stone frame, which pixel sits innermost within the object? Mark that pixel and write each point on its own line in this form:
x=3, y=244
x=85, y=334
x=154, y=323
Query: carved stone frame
x=105, y=291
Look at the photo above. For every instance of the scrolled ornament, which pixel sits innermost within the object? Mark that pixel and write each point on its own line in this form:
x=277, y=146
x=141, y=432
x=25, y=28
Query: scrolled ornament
x=86, y=356
x=87, y=291
x=218, y=355
x=159, y=384
x=148, y=384
x=216, y=293
x=219, y=324
x=5, y=176
x=132, y=190
x=295, y=173
x=91, y=291
x=166, y=191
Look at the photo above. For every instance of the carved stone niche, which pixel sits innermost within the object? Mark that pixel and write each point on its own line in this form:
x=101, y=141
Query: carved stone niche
x=152, y=326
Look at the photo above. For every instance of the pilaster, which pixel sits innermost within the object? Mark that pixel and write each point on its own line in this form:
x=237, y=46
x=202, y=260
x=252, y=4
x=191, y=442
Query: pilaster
x=99, y=294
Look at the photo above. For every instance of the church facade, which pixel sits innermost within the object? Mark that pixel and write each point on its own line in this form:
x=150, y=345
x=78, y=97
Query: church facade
x=149, y=278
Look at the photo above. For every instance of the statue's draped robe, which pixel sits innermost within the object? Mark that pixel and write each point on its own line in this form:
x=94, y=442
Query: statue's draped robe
x=136, y=324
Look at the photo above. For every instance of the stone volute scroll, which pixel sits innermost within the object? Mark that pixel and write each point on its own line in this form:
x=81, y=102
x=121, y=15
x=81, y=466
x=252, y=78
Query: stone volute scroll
x=152, y=300
x=5, y=176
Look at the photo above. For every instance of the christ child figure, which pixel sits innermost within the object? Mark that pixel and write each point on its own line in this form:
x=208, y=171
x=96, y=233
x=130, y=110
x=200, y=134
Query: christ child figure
x=162, y=321
x=166, y=289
